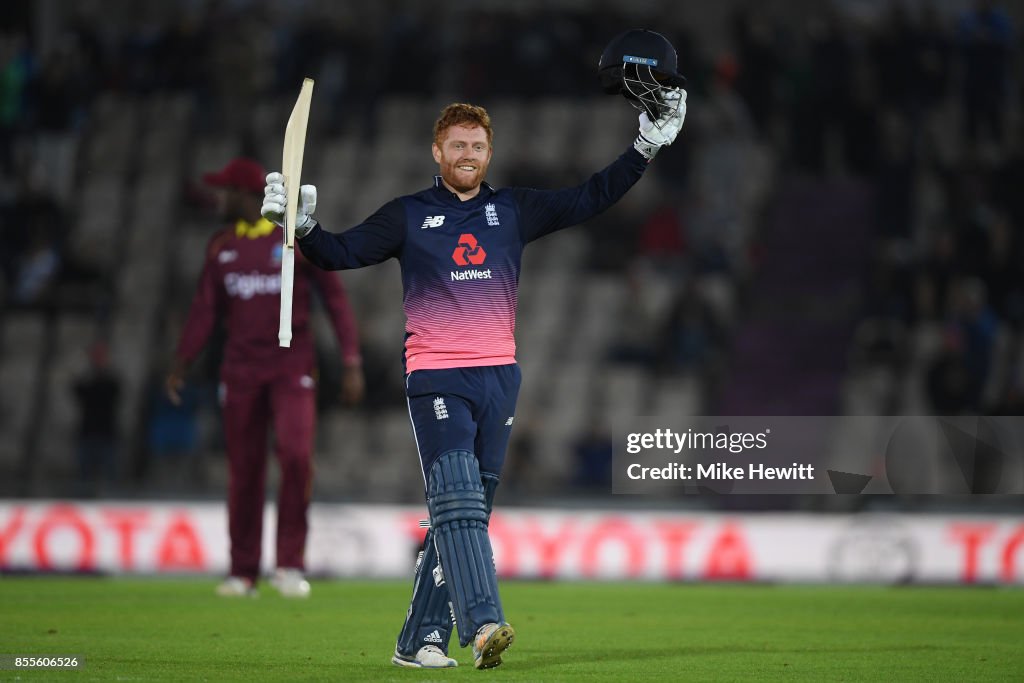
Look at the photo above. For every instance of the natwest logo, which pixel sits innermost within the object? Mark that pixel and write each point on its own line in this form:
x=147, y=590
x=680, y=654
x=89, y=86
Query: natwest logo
x=468, y=252
x=474, y=274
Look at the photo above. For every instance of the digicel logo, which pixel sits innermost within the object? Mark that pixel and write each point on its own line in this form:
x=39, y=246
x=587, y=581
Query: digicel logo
x=468, y=252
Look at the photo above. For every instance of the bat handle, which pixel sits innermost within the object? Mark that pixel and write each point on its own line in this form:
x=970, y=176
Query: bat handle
x=284, y=332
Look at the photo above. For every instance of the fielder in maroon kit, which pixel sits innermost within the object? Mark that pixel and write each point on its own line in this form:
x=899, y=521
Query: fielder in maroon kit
x=262, y=384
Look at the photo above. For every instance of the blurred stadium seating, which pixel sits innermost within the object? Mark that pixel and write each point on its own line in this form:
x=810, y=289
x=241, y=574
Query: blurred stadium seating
x=781, y=259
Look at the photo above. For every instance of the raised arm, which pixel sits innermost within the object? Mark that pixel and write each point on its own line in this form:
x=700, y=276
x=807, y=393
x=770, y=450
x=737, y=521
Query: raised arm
x=373, y=241
x=545, y=211
x=542, y=212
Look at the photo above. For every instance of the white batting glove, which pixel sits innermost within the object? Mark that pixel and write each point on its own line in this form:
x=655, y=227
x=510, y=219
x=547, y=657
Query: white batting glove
x=275, y=200
x=662, y=131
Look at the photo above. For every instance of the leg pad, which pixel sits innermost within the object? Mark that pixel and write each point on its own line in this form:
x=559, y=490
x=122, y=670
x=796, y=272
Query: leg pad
x=457, y=502
x=428, y=621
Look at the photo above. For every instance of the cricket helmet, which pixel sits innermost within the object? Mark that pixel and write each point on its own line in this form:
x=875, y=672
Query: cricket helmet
x=638, y=64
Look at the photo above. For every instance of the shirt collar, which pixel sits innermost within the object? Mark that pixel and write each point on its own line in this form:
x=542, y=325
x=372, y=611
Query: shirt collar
x=485, y=188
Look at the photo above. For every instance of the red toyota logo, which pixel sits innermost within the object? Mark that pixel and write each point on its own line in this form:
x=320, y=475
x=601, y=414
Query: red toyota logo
x=468, y=252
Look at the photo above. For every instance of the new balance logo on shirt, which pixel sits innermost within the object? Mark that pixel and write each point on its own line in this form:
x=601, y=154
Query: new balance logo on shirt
x=434, y=637
x=432, y=222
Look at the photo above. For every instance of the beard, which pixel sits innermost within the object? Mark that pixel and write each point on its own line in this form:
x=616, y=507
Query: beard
x=461, y=180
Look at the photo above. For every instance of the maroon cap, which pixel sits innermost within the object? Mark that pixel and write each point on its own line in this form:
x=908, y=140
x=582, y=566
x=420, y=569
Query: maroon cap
x=240, y=173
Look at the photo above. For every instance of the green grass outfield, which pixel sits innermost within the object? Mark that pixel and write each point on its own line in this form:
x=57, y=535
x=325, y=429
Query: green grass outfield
x=177, y=630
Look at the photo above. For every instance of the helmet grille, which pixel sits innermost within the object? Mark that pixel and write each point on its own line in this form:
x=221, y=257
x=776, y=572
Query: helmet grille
x=641, y=85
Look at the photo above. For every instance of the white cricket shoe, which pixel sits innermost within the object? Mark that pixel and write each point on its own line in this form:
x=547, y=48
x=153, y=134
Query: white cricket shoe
x=290, y=583
x=237, y=587
x=428, y=657
x=490, y=641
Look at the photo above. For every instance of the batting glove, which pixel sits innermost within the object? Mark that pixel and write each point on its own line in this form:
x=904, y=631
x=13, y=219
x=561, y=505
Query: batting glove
x=275, y=200
x=662, y=131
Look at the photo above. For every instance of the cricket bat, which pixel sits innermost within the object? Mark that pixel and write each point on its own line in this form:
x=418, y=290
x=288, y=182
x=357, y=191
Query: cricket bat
x=291, y=168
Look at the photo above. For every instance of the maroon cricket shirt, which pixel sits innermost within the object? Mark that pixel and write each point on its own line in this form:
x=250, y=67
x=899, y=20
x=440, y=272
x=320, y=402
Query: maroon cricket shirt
x=241, y=285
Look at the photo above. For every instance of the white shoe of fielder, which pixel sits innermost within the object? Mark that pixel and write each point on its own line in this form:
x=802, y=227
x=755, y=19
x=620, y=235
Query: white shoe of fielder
x=237, y=587
x=490, y=641
x=427, y=657
x=290, y=583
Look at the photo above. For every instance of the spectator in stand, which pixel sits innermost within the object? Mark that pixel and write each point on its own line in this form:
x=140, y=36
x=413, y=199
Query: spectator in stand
x=592, y=453
x=985, y=37
x=97, y=393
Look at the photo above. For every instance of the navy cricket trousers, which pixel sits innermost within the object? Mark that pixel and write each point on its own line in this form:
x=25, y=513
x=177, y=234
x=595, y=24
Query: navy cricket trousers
x=467, y=409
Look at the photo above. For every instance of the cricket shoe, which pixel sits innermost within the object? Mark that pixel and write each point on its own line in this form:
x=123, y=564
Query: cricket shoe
x=491, y=640
x=290, y=583
x=427, y=657
x=237, y=587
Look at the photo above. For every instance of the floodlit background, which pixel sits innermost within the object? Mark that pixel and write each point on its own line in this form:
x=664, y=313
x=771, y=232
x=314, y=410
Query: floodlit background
x=837, y=231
